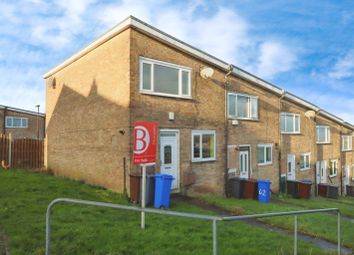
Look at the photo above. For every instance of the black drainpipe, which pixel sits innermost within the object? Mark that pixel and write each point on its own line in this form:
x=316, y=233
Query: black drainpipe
x=226, y=128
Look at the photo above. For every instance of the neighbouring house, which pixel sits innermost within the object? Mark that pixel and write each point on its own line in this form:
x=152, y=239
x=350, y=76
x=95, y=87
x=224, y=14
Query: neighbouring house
x=21, y=123
x=213, y=126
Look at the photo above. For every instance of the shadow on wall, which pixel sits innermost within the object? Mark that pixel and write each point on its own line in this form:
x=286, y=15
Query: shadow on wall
x=85, y=138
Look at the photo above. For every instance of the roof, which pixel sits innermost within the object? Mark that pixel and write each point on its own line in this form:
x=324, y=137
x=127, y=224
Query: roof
x=162, y=36
x=14, y=109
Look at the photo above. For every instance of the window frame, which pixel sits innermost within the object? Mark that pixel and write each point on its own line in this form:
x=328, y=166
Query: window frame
x=350, y=142
x=265, y=146
x=336, y=168
x=250, y=97
x=328, y=134
x=152, y=62
x=201, y=133
x=12, y=122
x=294, y=115
x=309, y=162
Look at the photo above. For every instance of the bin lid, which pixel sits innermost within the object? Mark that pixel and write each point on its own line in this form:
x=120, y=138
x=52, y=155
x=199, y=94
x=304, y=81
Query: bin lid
x=165, y=176
x=307, y=181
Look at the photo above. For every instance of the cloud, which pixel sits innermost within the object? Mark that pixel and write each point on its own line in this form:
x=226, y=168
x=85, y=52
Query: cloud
x=274, y=58
x=344, y=67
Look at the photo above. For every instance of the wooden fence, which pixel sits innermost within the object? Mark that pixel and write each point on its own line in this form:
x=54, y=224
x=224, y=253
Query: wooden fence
x=21, y=153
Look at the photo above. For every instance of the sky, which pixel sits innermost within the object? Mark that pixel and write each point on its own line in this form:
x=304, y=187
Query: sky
x=305, y=47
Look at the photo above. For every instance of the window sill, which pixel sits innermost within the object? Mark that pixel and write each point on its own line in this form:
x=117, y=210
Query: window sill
x=347, y=150
x=305, y=169
x=203, y=160
x=150, y=93
x=242, y=119
x=334, y=175
x=265, y=164
x=291, y=133
x=326, y=143
x=17, y=127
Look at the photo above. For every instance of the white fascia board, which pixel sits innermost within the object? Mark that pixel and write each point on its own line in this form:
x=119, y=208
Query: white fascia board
x=100, y=40
x=25, y=111
x=250, y=77
x=300, y=101
x=331, y=116
x=14, y=109
x=177, y=43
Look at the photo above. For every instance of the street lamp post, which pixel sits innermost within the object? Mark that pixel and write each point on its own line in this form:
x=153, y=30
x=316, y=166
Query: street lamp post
x=38, y=121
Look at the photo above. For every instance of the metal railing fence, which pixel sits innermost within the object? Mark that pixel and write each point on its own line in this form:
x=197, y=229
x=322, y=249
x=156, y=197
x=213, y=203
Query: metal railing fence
x=214, y=219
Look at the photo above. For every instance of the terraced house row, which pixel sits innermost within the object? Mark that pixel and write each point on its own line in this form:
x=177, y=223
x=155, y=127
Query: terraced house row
x=215, y=120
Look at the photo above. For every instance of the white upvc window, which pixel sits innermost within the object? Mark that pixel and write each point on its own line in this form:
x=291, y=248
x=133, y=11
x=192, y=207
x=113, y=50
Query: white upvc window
x=242, y=106
x=16, y=122
x=305, y=161
x=264, y=154
x=203, y=145
x=353, y=172
x=164, y=79
x=333, y=168
x=347, y=142
x=289, y=123
x=323, y=134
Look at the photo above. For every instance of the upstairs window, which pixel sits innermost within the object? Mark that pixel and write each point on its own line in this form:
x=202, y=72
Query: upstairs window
x=203, y=145
x=16, y=122
x=347, y=143
x=305, y=163
x=333, y=168
x=164, y=79
x=242, y=106
x=289, y=123
x=264, y=154
x=323, y=134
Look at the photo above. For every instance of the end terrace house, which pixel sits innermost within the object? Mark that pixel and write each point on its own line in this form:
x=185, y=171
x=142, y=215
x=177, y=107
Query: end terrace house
x=211, y=126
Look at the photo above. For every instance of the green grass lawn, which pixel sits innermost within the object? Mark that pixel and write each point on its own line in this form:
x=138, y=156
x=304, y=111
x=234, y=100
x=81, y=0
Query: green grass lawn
x=90, y=230
x=345, y=205
x=317, y=225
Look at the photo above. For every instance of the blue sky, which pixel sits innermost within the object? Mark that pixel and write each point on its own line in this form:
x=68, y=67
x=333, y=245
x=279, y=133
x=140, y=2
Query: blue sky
x=305, y=47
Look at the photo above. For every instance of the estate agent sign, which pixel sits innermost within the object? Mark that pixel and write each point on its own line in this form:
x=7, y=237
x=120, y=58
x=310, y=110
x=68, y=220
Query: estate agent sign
x=145, y=143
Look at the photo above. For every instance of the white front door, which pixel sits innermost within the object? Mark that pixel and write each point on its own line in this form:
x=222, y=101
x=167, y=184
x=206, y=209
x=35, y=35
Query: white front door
x=346, y=176
x=169, y=155
x=291, y=167
x=323, y=171
x=318, y=172
x=244, y=164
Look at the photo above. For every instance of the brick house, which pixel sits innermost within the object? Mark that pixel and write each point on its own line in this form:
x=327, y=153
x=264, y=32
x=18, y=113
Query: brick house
x=21, y=123
x=232, y=123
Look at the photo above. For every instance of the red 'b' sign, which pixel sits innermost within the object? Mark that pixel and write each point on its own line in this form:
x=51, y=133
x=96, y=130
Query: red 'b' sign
x=145, y=141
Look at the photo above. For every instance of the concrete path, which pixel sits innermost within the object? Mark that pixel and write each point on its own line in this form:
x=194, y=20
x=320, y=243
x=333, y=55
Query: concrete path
x=324, y=244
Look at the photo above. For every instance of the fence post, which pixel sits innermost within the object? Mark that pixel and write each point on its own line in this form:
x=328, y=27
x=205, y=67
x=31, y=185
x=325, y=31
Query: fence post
x=295, y=234
x=10, y=152
x=339, y=247
x=215, y=237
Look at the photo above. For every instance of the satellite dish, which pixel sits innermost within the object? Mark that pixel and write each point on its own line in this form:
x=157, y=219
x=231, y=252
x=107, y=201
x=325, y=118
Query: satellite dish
x=310, y=114
x=206, y=72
